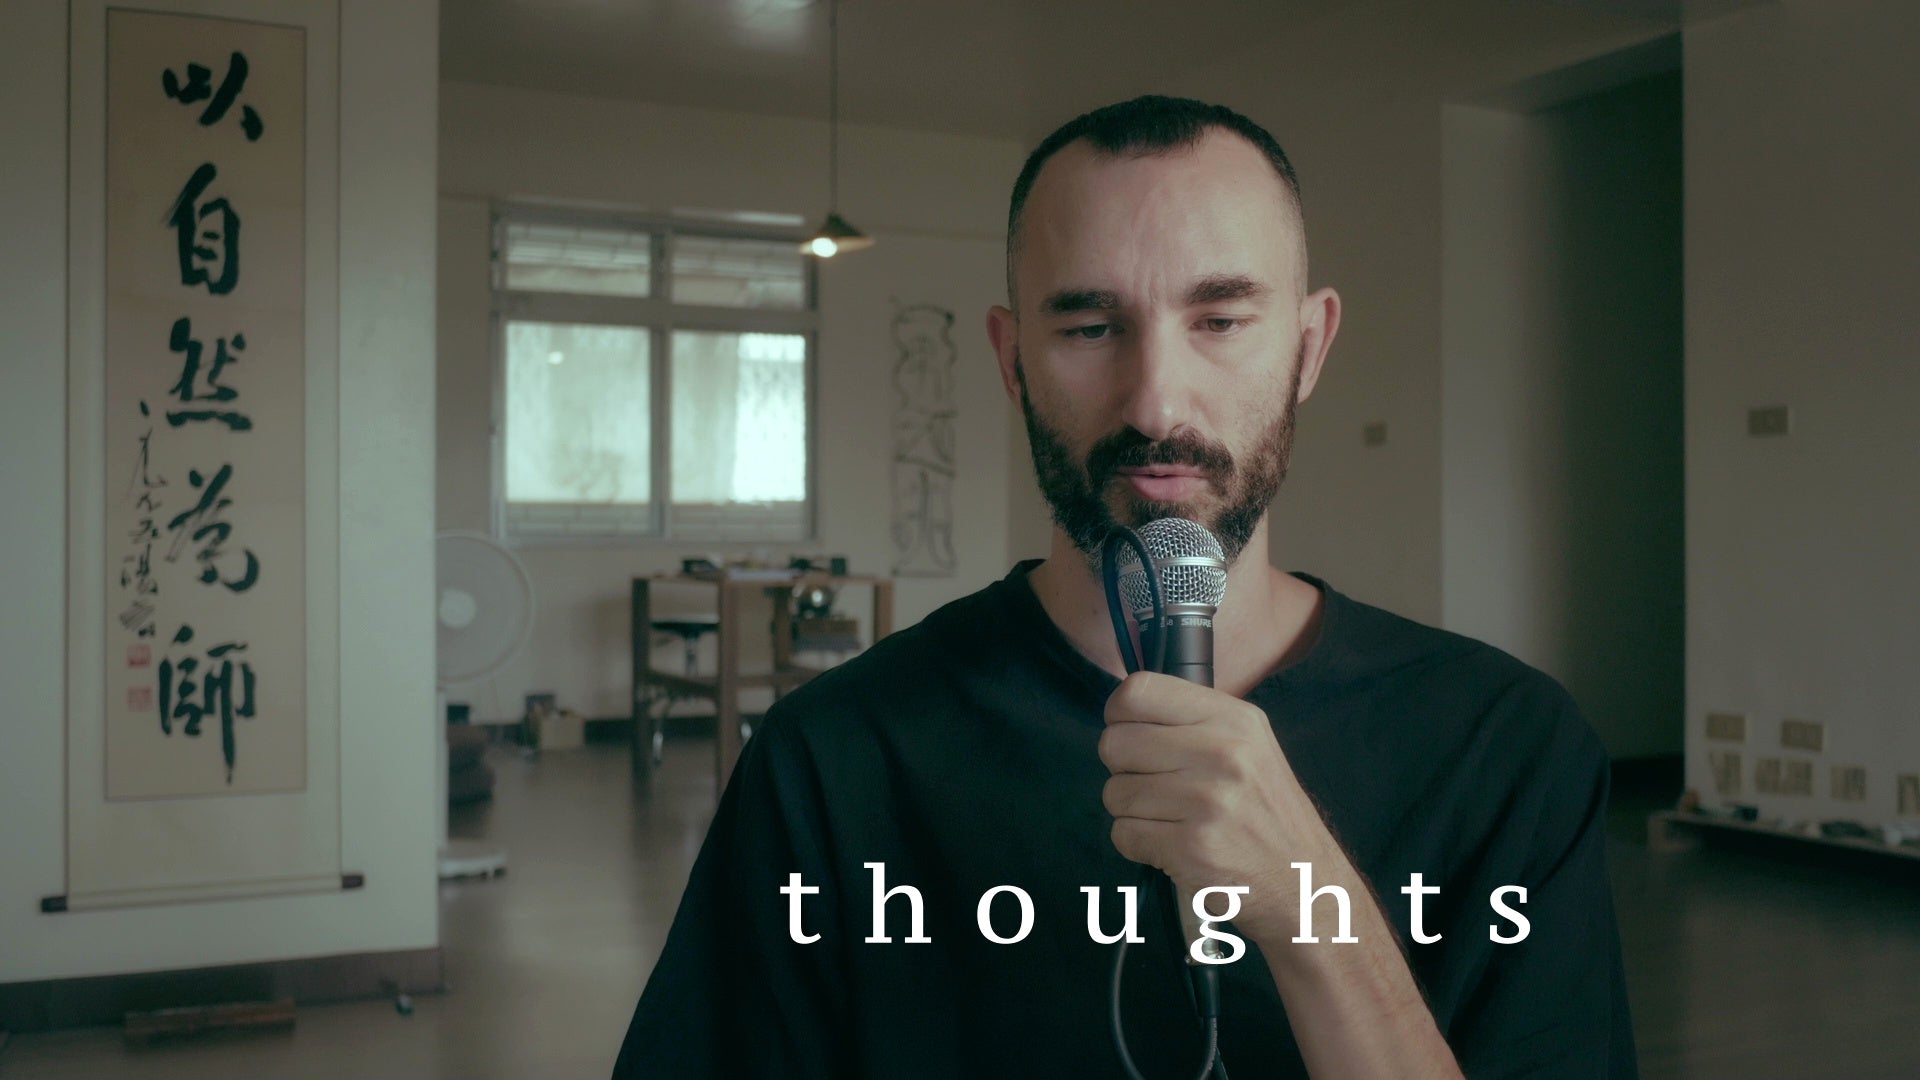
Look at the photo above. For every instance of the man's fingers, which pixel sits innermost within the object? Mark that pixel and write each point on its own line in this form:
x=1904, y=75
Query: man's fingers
x=1151, y=698
x=1155, y=748
x=1129, y=748
x=1151, y=798
x=1145, y=841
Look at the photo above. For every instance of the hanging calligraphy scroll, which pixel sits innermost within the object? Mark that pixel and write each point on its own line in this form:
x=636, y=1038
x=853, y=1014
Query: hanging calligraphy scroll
x=205, y=407
x=208, y=758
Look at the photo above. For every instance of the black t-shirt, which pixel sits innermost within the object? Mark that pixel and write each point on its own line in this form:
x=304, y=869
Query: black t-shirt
x=961, y=753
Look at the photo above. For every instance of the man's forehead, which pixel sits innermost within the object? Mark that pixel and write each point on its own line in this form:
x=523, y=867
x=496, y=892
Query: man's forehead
x=1216, y=207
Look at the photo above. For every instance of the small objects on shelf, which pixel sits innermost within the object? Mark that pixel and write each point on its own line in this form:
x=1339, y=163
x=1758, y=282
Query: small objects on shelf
x=832, y=564
x=1679, y=829
x=812, y=601
x=1907, y=836
x=839, y=634
x=816, y=628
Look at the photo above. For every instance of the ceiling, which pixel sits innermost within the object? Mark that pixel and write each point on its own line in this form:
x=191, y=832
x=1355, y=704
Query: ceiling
x=999, y=68
x=985, y=67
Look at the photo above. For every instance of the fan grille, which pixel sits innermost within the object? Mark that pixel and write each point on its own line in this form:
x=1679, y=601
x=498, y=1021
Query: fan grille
x=483, y=606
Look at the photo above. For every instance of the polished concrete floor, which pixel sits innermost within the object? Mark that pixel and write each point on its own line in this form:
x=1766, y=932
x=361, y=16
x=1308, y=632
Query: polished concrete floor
x=1744, y=963
x=543, y=964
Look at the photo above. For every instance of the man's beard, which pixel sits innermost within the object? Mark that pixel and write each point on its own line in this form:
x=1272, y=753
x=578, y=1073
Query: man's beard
x=1077, y=491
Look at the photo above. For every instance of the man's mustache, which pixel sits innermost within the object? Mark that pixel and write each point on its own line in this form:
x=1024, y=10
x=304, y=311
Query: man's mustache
x=1128, y=449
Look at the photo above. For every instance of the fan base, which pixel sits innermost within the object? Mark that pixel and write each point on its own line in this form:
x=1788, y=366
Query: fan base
x=471, y=858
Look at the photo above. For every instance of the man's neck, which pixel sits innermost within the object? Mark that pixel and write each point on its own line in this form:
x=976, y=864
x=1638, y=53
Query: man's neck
x=1268, y=620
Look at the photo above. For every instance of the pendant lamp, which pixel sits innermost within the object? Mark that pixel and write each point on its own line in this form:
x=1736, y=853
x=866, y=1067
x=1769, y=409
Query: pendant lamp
x=834, y=235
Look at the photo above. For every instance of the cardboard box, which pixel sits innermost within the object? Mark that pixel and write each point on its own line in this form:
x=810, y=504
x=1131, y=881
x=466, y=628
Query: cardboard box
x=559, y=729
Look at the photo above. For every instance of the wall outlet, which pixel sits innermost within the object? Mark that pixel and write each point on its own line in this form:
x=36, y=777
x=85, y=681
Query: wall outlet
x=1766, y=775
x=1726, y=773
x=1727, y=726
x=1909, y=786
x=1769, y=420
x=1810, y=735
x=1849, y=782
x=1796, y=778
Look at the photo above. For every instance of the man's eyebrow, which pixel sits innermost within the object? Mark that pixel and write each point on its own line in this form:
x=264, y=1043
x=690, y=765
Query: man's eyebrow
x=1219, y=287
x=1068, y=301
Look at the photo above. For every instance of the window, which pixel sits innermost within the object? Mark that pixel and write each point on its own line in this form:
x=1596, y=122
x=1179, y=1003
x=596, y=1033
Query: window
x=656, y=381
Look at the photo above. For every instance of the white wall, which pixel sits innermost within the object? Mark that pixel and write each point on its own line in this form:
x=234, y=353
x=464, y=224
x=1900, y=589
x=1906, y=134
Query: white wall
x=387, y=110
x=1803, y=156
x=936, y=205
x=1562, y=507
x=1359, y=112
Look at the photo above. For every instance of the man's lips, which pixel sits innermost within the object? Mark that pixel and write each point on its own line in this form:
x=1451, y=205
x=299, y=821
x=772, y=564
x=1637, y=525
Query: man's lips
x=1166, y=483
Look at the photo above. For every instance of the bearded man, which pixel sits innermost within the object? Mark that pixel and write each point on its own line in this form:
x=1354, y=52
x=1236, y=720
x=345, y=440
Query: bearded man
x=1159, y=335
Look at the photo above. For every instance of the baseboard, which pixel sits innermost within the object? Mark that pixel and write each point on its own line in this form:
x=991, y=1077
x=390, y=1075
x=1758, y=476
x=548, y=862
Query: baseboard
x=106, y=999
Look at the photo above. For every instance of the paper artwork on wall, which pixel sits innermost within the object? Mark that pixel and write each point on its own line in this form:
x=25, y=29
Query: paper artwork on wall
x=924, y=420
x=205, y=383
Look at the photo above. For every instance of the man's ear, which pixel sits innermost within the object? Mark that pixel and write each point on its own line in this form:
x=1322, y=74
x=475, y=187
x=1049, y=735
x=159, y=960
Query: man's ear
x=1319, y=322
x=1003, y=330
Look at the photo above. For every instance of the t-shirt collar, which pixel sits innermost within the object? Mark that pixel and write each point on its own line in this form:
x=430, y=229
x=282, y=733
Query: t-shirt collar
x=1019, y=593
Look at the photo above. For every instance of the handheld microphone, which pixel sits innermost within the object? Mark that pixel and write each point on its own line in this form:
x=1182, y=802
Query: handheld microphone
x=1191, y=568
x=1173, y=574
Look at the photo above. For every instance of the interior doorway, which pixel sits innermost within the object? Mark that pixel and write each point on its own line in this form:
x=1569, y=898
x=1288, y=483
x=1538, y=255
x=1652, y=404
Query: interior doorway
x=1563, y=508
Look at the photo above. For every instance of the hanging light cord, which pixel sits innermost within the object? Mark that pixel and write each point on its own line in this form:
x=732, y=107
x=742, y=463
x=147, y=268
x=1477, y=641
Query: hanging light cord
x=833, y=106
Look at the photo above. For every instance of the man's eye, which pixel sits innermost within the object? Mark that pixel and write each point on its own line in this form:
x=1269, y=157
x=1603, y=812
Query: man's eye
x=1221, y=325
x=1093, y=332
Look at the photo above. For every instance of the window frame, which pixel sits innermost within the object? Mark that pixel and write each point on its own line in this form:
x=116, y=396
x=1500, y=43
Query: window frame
x=661, y=317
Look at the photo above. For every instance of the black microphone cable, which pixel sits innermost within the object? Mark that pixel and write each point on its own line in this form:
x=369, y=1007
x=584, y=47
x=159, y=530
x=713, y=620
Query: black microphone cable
x=1110, y=573
x=1203, y=980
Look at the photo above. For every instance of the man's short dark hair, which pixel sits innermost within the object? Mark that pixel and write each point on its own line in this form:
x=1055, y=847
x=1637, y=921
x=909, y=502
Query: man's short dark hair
x=1150, y=124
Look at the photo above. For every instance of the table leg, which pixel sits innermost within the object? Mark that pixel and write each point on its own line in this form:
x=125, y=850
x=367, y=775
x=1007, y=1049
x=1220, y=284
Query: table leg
x=640, y=643
x=726, y=704
x=882, y=608
x=782, y=631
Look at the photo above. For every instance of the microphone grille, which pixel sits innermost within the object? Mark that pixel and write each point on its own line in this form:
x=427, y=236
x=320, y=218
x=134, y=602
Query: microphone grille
x=1199, y=579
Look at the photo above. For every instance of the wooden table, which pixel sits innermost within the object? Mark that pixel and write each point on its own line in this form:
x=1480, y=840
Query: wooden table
x=724, y=686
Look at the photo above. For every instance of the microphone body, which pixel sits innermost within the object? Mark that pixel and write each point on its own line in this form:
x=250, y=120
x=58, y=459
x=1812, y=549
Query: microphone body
x=1189, y=645
x=1191, y=568
x=1173, y=588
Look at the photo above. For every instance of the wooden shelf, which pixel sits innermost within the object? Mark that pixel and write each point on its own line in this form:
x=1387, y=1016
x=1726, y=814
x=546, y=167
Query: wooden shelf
x=709, y=685
x=1669, y=830
x=725, y=685
x=809, y=578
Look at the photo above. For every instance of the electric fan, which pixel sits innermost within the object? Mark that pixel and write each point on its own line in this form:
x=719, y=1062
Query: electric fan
x=485, y=613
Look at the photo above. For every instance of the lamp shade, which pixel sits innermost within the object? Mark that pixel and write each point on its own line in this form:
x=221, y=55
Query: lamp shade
x=835, y=236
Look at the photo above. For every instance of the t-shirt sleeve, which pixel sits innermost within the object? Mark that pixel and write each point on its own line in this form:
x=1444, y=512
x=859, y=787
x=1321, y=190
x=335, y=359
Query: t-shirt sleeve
x=732, y=993
x=1555, y=1004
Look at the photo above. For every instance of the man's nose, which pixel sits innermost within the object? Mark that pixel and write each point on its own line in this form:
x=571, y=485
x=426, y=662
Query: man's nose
x=1160, y=368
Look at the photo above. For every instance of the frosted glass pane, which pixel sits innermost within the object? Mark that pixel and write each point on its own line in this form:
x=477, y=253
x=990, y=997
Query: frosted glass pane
x=576, y=259
x=739, y=273
x=578, y=427
x=739, y=418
